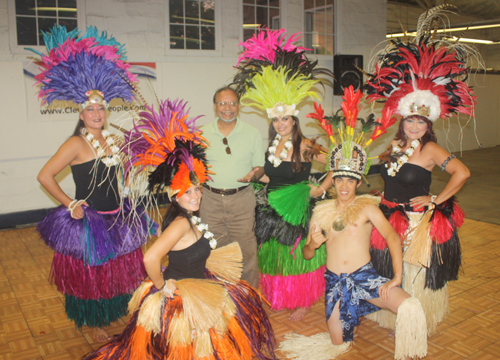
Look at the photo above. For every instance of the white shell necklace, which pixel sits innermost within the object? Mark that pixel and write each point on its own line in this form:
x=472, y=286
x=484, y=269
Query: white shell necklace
x=203, y=228
x=109, y=161
x=393, y=169
x=276, y=161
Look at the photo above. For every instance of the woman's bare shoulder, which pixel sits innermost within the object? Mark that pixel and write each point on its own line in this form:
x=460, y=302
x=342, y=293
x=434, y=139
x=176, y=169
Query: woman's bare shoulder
x=73, y=145
x=432, y=146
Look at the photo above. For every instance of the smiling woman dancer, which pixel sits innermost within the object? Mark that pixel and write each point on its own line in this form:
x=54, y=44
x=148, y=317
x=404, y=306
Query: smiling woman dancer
x=276, y=76
x=197, y=308
x=421, y=82
x=96, y=237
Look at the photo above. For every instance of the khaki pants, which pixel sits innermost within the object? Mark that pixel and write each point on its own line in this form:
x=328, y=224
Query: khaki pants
x=231, y=219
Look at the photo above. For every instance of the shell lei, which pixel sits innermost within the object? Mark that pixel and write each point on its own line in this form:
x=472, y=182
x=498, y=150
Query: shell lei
x=395, y=166
x=276, y=161
x=203, y=228
x=109, y=161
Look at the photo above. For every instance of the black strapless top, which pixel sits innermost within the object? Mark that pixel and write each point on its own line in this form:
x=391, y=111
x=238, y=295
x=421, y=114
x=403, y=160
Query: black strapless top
x=410, y=181
x=99, y=188
x=188, y=263
x=284, y=175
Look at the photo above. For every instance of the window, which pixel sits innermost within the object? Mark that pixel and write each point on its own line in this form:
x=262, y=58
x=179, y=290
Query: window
x=192, y=24
x=260, y=13
x=318, y=33
x=34, y=16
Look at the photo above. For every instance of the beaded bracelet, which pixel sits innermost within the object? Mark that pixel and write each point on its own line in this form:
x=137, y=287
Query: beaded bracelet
x=443, y=166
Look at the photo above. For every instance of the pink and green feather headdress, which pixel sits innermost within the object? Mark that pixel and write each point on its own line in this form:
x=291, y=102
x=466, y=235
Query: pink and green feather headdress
x=274, y=74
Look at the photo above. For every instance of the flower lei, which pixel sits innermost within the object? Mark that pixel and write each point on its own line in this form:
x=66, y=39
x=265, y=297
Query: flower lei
x=114, y=159
x=395, y=166
x=276, y=161
x=196, y=221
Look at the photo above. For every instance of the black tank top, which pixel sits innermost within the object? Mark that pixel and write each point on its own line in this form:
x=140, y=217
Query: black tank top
x=99, y=188
x=284, y=175
x=410, y=181
x=188, y=263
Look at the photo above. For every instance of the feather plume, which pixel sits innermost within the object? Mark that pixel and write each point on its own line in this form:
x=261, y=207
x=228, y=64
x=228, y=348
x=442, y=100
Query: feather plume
x=426, y=20
x=429, y=71
x=167, y=143
x=271, y=87
x=74, y=66
x=262, y=46
x=268, y=48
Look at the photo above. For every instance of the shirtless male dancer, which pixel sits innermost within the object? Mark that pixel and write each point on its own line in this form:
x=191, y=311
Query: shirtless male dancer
x=353, y=287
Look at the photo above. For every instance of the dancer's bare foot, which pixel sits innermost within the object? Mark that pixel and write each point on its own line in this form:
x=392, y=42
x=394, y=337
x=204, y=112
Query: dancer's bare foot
x=298, y=314
x=100, y=335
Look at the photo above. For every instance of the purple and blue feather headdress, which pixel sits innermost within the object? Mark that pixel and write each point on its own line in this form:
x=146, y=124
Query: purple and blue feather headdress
x=74, y=66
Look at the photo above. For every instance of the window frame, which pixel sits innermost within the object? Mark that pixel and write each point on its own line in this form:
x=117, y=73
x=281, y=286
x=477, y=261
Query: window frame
x=20, y=49
x=195, y=52
x=282, y=17
x=334, y=35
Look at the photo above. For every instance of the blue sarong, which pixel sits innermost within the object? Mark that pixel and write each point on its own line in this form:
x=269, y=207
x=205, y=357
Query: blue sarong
x=352, y=290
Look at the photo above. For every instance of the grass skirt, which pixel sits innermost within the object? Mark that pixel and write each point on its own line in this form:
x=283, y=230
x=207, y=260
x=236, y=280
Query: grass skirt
x=288, y=280
x=98, y=237
x=428, y=285
x=206, y=320
x=97, y=262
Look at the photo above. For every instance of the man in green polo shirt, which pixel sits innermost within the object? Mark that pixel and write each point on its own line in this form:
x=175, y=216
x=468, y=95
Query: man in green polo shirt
x=236, y=154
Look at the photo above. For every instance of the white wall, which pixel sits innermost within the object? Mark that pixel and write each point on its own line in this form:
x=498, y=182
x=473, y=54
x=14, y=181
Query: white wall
x=25, y=146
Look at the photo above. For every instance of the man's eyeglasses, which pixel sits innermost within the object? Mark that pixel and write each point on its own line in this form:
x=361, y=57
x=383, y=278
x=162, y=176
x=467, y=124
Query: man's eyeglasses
x=224, y=103
x=228, y=149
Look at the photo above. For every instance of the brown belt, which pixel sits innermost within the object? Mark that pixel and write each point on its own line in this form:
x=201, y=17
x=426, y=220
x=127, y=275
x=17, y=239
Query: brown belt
x=225, y=192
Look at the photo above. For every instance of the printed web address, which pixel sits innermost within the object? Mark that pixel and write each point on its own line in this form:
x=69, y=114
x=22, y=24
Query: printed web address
x=72, y=110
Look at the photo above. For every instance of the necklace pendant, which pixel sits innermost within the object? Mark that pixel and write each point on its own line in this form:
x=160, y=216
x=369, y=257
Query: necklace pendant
x=338, y=225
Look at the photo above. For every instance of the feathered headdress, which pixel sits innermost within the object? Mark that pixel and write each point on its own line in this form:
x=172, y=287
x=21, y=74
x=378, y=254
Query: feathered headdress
x=86, y=69
x=168, y=143
x=427, y=77
x=275, y=75
x=349, y=157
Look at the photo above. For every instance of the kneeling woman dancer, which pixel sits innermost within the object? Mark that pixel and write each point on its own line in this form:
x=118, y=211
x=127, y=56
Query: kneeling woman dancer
x=198, y=308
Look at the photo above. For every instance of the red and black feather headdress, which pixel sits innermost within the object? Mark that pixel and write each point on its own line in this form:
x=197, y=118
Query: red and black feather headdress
x=427, y=77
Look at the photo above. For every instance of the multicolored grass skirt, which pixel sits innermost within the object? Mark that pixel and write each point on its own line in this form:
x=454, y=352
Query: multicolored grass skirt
x=205, y=320
x=98, y=260
x=428, y=285
x=288, y=280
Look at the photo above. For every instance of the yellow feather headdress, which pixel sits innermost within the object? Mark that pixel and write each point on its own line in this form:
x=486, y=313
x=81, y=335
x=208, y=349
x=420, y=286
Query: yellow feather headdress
x=278, y=96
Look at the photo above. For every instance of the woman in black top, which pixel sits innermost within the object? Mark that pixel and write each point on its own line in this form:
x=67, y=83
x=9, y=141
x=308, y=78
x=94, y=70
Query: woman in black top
x=288, y=281
x=96, y=238
x=408, y=164
x=197, y=308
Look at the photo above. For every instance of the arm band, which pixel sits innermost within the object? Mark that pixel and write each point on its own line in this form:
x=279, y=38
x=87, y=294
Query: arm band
x=443, y=166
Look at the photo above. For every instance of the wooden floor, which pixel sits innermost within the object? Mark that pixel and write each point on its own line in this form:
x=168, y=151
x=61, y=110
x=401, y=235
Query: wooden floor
x=34, y=324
